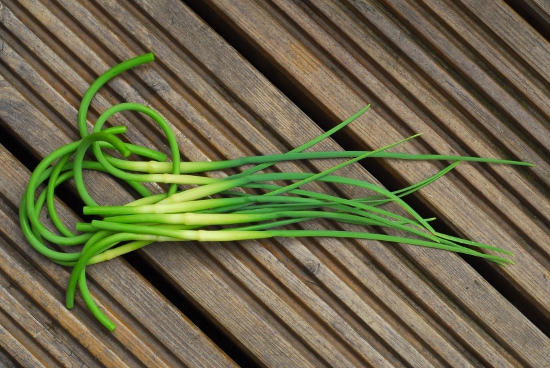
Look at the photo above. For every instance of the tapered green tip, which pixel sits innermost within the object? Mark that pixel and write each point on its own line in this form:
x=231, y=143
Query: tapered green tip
x=149, y=56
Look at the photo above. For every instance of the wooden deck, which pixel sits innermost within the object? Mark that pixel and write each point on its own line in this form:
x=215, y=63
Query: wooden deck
x=249, y=77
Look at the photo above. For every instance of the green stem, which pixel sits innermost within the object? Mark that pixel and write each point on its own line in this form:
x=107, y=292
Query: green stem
x=173, y=144
x=79, y=158
x=100, y=81
x=197, y=167
x=306, y=145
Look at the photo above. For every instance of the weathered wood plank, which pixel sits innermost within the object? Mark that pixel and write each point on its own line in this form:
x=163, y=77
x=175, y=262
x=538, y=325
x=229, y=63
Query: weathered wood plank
x=36, y=336
x=503, y=90
x=332, y=89
x=536, y=12
x=137, y=333
x=279, y=47
x=19, y=354
x=266, y=335
x=252, y=334
x=38, y=292
x=525, y=41
x=123, y=17
x=494, y=58
x=291, y=302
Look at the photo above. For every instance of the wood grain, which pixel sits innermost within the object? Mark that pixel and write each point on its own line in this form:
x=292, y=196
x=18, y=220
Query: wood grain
x=136, y=332
x=450, y=70
x=465, y=132
x=536, y=13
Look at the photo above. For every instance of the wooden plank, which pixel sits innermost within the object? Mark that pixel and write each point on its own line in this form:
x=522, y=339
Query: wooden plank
x=19, y=274
x=18, y=352
x=526, y=42
x=518, y=81
x=505, y=92
x=285, y=58
x=265, y=40
x=6, y=360
x=137, y=334
x=38, y=340
x=285, y=302
x=250, y=335
x=535, y=12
